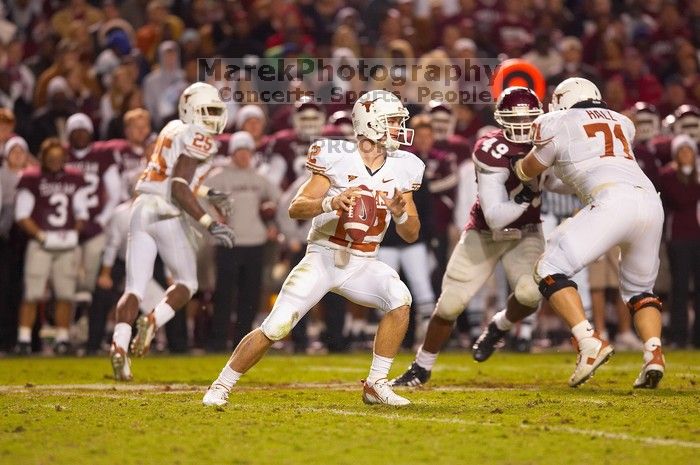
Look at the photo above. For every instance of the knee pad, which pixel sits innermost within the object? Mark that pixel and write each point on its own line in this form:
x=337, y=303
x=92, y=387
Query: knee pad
x=645, y=299
x=450, y=305
x=398, y=294
x=527, y=292
x=279, y=324
x=553, y=283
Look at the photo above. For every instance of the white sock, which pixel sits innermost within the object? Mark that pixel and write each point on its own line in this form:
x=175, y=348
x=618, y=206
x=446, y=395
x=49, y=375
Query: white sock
x=525, y=331
x=24, y=334
x=425, y=359
x=582, y=330
x=502, y=323
x=380, y=368
x=651, y=344
x=163, y=313
x=122, y=336
x=62, y=335
x=228, y=377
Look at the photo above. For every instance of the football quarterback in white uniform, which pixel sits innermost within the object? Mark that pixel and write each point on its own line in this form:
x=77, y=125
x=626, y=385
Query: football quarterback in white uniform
x=588, y=147
x=168, y=187
x=333, y=262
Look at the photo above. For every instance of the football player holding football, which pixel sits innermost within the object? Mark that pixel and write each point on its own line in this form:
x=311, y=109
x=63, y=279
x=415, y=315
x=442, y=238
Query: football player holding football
x=168, y=187
x=588, y=146
x=334, y=262
x=504, y=225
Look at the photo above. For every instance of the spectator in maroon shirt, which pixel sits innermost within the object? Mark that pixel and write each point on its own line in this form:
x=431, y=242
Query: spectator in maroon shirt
x=640, y=84
x=680, y=192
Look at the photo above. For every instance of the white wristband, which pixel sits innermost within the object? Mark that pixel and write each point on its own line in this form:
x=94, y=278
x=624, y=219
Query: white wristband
x=401, y=219
x=202, y=191
x=326, y=204
x=206, y=220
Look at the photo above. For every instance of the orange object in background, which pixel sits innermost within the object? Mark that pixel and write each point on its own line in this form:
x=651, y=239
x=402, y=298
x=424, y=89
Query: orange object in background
x=517, y=72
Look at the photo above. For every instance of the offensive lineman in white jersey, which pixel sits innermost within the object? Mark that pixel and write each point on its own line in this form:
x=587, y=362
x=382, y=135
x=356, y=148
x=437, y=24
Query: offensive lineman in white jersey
x=588, y=147
x=169, y=186
x=335, y=264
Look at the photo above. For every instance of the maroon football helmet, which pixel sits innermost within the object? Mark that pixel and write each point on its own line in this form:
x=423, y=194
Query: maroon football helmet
x=516, y=109
x=687, y=121
x=646, y=121
x=308, y=118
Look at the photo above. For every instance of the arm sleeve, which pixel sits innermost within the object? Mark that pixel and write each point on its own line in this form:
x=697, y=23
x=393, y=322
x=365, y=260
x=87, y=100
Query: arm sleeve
x=24, y=204
x=499, y=210
x=113, y=188
x=319, y=159
x=544, y=140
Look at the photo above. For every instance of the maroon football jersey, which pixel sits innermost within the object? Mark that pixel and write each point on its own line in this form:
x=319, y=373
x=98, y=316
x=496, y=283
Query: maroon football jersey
x=494, y=150
x=456, y=146
x=293, y=149
x=54, y=195
x=93, y=166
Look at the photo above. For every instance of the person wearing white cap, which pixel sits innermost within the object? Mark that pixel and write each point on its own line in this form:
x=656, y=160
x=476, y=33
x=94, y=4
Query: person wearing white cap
x=50, y=119
x=96, y=162
x=253, y=198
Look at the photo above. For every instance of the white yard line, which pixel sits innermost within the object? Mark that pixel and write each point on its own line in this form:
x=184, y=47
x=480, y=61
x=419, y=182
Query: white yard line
x=560, y=429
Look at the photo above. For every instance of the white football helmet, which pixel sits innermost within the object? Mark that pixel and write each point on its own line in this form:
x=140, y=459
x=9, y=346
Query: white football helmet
x=370, y=119
x=201, y=105
x=571, y=91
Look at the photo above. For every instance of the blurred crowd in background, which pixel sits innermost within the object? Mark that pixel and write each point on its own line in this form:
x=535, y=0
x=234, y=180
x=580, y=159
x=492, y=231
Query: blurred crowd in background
x=102, y=78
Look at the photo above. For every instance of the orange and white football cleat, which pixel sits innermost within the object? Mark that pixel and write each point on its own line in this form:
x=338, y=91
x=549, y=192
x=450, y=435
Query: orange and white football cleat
x=652, y=371
x=592, y=353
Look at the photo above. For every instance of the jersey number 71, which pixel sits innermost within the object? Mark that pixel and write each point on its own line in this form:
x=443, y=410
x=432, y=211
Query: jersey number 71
x=593, y=129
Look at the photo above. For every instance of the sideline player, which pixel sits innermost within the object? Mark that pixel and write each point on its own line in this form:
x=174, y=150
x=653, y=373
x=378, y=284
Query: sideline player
x=504, y=225
x=180, y=159
x=588, y=146
x=333, y=263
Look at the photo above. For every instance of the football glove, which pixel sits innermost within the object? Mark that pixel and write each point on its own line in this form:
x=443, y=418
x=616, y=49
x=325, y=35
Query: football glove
x=221, y=201
x=223, y=234
x=526, y=195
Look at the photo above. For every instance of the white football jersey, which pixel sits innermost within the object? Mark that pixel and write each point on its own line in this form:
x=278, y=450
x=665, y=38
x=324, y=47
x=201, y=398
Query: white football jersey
x=175, y=139
x=588, y=148
x=341, y=162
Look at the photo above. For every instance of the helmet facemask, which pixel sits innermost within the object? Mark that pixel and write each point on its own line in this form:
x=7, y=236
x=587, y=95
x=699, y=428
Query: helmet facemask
x=212, y=117
x=516, y=123
x=308, y=124
x=404, y=135
x=647, y=126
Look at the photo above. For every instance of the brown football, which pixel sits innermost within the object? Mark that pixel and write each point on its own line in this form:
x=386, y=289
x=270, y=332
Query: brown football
x=361, y=216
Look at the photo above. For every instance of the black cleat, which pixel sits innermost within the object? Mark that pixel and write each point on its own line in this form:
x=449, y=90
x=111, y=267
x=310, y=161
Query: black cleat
x=487, y=342
x=521, y=345
x=414, y=376
x=61, y=348
x=23, y=348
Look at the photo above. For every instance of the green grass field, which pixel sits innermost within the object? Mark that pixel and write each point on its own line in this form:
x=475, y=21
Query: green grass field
x=514, y=409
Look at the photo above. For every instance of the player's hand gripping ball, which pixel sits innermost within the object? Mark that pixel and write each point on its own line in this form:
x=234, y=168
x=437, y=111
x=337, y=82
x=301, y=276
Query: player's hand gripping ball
x=361, y=215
